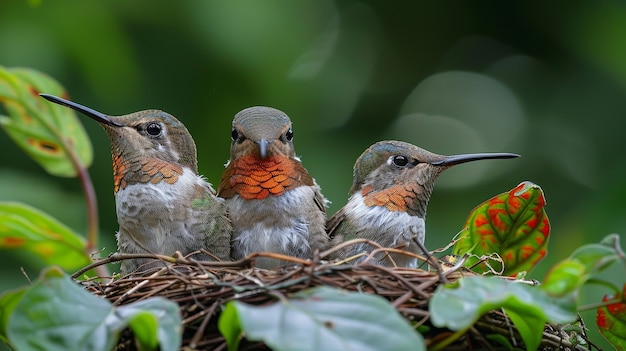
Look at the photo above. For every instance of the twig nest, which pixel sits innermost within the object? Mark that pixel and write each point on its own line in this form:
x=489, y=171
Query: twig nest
x=202, y=288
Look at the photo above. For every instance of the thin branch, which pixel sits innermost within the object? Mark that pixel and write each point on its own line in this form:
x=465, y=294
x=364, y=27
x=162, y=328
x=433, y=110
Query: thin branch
x=431, y=259
x=92, y=207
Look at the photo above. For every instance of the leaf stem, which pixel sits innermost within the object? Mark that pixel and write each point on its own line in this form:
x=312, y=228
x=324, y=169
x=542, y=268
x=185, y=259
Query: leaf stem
x=447, y=341
x=595, y=305
x=92, y=210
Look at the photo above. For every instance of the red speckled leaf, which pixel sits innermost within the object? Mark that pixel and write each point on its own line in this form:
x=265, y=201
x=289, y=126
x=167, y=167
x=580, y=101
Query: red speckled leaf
x=50, y=134
x=611, y=321
x=513, y=224
x=27, y=229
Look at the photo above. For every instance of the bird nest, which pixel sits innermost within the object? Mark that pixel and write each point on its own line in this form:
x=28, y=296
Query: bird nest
x=202, y=288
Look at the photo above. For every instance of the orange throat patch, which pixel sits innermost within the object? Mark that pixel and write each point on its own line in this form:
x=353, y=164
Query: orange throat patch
x=255, y=178
x=394, y=198
x=148, y=170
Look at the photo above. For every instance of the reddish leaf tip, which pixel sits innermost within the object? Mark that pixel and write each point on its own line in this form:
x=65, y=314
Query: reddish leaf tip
x=11, y=242
x=33, y=91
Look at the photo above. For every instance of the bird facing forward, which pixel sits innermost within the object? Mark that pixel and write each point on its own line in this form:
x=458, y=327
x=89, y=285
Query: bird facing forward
x=274, y=203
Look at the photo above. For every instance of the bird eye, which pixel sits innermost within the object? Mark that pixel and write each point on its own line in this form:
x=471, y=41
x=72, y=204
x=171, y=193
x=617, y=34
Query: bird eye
x=289, y=135
x=154, y=129
x=234, y=134
x=400, y=161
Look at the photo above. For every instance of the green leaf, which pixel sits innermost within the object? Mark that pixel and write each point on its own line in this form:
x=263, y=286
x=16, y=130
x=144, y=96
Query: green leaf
x=529, y=325
x=597, y=257
x=611, y=321
x=565, y=277
x=513, y=225
x=8, y=301
x=155, y=322
x=329, y=319
x=52, y=135
x=568, y=275
x=23, y=227
x=230, y=327
x=458, y=307
x=57, y=314
x=145, y=326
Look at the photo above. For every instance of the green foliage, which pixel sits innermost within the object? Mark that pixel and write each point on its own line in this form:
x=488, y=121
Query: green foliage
x=49, y=134
x=8, y=301
x=564, y=278
x=568, y=275
x=56, y=314
x=230, y=326
x=611, y=319
x=323, y=319
x=155, y=322
x=513, y=225
x=53, y=137
x=25, y=228
x=582, y=267
x=597, y=257
x=458, y=307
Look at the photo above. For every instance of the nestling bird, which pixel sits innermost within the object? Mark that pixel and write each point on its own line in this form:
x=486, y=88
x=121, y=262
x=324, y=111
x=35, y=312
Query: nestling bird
x=162, y=204
x=274, y=203
x=392, y=184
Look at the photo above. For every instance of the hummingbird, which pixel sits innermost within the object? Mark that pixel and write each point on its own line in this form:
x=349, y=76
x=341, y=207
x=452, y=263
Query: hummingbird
x=274, y=203
x=392, y=184
x=162, y=204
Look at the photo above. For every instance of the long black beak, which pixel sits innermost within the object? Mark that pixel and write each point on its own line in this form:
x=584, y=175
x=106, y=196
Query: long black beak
x=91, y=113
x=263, y=143
x=458, y=159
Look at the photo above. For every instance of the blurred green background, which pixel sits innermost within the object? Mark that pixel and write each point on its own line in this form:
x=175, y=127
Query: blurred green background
x=546, y=80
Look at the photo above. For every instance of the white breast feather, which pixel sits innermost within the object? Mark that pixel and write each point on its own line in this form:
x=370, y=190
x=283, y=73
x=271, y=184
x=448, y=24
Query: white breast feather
x=387, y=228
x=149, y=208
x=266, y=225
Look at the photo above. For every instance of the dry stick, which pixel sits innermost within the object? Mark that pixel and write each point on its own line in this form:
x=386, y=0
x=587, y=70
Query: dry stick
x=139, y=286
x=26, y=275
x=448, y=272
x=386, y=256
x=388, y=250
x=116, y=257
x=278, y=256
x=159, y=289
x=416, y=312
x=255, y=280
x=310, y=270
x=398, y=277
x=348, y=243
x=510, y=327
x=198, y=335
x=583, y=329
x=402, y=299
x=431, y=260
x=202, y=313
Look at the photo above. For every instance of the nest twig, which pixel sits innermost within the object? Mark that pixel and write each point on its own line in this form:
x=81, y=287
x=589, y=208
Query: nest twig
x=201, y=289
